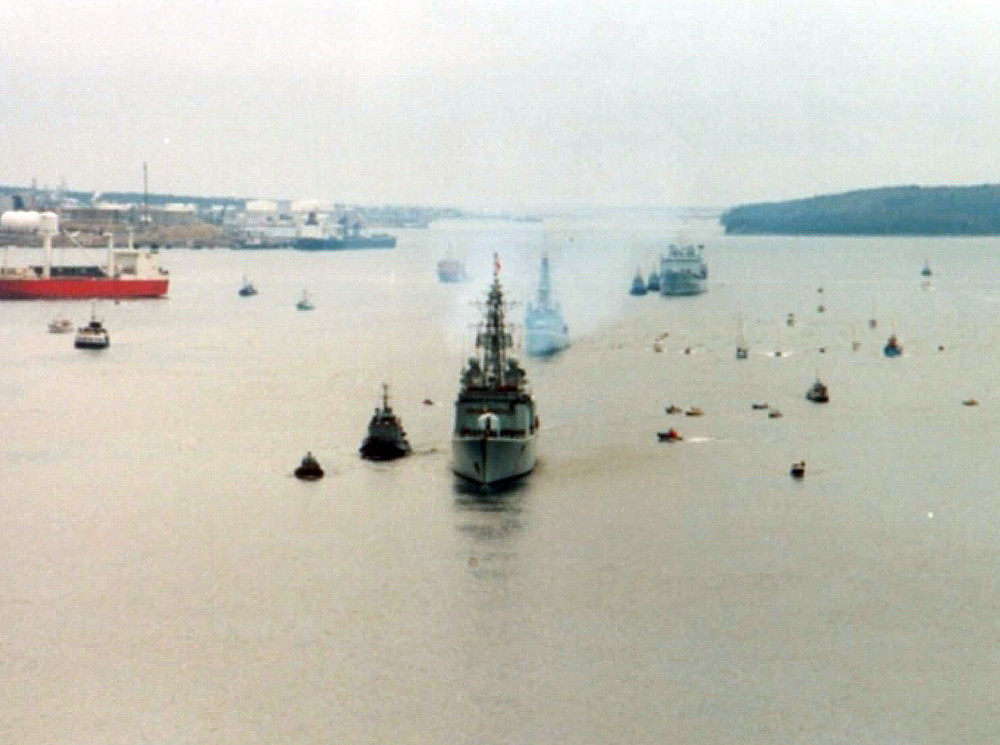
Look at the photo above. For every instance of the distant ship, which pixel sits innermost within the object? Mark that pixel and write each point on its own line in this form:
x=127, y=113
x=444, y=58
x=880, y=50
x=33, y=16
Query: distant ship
x=683, y=271
x=495, y=422
x=386, y=439
x=450, y=270
x=127, y=273
x=545, y=331
x=638, y=284
x=312, y=237
x=653, y=283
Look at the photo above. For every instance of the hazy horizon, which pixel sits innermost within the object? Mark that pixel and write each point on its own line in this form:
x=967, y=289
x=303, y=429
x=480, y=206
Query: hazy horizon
x=506, y=105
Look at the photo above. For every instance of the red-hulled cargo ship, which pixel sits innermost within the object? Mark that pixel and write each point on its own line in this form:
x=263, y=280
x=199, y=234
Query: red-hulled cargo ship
x=128, y=273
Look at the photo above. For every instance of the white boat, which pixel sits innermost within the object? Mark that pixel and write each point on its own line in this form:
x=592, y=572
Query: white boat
x=545, y=331
x=496, y=428
x=60, y=325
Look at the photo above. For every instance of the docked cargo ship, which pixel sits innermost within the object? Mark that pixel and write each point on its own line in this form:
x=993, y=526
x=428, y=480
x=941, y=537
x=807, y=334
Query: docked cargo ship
x=315, y=237
x=126, y=273
x=683, y=271
x=495, y=422
x=545, y=331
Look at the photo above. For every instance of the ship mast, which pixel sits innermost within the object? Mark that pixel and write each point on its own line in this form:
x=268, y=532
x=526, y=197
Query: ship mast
x=544, y=286
x=494, y=339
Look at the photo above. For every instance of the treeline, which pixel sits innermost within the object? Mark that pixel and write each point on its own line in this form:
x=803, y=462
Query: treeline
x=895, y=210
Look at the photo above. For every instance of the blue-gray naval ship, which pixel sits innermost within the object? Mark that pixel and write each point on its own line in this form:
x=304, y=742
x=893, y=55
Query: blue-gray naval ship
x=495, y=422
x=683, y=271
x=545, y=331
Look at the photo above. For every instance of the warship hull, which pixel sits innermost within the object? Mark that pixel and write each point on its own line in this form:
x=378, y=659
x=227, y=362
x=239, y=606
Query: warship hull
x=492, y=460
x=541, y=342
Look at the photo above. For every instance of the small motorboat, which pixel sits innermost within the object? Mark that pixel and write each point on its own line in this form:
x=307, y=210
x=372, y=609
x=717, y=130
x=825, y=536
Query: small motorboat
x=309, y=469
x=970, y=402
x=790, y=320
x=798, y=470
x=892, y=347
x=694, y=411
x=305, y=303
x=60, y=325
x=872, y=323
x=820, y=308
x=653, y=283
x=247, y=290
x=427, y=402
x=742, y=353
x=657, y=347
x=638, y=284
x=673, y=409
x=759, y=406
x=818, y=393
x=774, y=414
x=670, y=435
x=926, y=271
x=93, y=335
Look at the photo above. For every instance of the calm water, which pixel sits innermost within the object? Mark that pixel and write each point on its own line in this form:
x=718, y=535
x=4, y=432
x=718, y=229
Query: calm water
x=166, y=580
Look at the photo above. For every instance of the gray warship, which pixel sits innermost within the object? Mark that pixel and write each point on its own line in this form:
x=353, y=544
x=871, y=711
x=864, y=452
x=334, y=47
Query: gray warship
x=496, y=426
x=545, y=331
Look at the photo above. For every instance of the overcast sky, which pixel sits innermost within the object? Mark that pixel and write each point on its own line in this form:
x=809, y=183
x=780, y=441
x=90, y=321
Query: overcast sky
x=501, y=104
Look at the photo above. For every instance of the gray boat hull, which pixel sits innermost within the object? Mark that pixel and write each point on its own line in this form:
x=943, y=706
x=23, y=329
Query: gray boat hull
x=489, y=460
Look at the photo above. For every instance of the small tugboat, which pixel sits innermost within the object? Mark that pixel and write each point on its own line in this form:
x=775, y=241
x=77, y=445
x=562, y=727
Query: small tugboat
x=671, y=435
x=386, y=439
x=309, y=469
x=798, y=470
x=305, y=303
x=93, y=335
x=638, y=284
x=653, y=283
x=247, y=290
x=60, y=325
x=818, y=393
x=892, y=347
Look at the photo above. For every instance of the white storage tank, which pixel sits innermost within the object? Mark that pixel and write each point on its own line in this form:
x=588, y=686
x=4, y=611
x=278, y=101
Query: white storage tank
x=25, y=221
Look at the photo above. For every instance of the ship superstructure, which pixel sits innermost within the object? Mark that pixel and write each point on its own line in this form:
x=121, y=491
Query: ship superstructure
x=545, y=331
x=496, y=426
x=683, y=270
